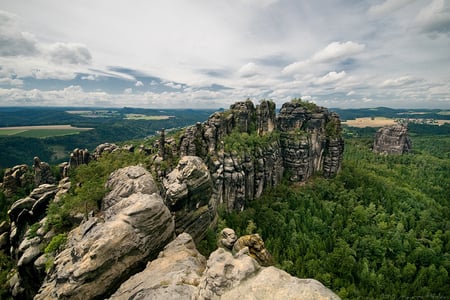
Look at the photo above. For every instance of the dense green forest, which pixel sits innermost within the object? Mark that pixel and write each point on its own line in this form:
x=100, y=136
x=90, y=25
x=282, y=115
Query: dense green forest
x=379, y=230
x=109, y=126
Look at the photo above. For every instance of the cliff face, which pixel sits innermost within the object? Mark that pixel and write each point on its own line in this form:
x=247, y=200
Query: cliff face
x=302, y=140
x=392, y=140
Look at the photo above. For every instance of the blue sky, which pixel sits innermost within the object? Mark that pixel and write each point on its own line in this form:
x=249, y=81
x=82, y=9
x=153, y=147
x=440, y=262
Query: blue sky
x=209, y=54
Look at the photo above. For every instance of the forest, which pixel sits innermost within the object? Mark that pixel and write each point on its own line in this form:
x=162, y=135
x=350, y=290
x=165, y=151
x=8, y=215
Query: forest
x=379, y=230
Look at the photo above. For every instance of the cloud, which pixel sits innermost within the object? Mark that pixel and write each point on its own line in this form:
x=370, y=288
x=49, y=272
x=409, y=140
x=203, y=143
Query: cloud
x=248, y=70
x=128, y=91
x=12, y=41
x=69, y=53
x=138, y=83
x=399, y=82
x=333, y=52
x=435, y=17
x=387, y=7
x=330, y=77
x=337, y=50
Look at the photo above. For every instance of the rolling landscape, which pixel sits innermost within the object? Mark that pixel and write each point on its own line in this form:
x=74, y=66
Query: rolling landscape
x=222, y=150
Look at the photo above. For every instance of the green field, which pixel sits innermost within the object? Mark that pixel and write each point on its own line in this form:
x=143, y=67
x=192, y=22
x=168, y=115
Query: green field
x=41, y=131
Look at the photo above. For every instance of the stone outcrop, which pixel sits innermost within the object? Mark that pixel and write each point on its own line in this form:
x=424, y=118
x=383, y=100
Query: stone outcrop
x=174, y=275
x=392, y=140
x=42, y=172
x=254, y=245
x=77, y=158
x=188, y=191
x=15, y=178
x=103, y=252
x=303, y=140
x=310, y=140
x=181, y=272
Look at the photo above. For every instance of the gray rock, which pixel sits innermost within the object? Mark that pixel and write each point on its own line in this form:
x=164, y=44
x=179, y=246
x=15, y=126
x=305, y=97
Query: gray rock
x=42, y=172
x=224, y=272
x=175, y=274
x=127, y=181
x=99, y=257
x=273, y=283
x=188, y=191
x=392, y=140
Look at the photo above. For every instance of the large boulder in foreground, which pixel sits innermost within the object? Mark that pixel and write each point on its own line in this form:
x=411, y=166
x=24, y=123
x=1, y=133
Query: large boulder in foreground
x=174, y=275
x=103, y=252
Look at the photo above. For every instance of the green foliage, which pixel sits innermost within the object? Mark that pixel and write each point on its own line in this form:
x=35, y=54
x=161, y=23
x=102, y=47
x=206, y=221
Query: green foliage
x=88, y=188
x=6, y=265
x=56, y=243
x=306, y=104
x=380, y=229
x=32, y=232
x=243, y=142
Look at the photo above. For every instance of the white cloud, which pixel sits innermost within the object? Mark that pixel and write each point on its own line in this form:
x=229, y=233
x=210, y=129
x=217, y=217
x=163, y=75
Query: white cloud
x=387, y=7
x=13, y=42
x=399, y=81
x=435, y=17
x=69, y=53
x=138, y=83
x=248, y=70
x=337, y=50
x=128, y=91
x=330, y=77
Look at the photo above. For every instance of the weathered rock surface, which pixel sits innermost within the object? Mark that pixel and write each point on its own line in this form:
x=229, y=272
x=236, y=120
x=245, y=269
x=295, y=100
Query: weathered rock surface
x=77, y=158
x=127, y=181
x=180, y=273
x=102, y=252
x=188, y=190
x=15, y=178
x=42, y=172
x=273, y=283
x=174, y=275
x=392, y=140
x=255, y=248
x=309, y=141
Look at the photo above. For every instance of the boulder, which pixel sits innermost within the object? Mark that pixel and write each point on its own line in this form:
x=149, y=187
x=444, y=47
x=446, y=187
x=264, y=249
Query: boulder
x=16, y=178
x=101, y=254
x=127, y=181
x=253, y=244
x=174, y=275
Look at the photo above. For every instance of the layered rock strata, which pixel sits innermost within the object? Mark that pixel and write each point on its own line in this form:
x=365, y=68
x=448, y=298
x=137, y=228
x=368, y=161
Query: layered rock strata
x=392, y=140
x=301, y=141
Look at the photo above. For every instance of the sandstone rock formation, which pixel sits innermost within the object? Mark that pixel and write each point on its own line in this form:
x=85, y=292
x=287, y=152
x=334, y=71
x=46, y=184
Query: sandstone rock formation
x=174, y=275
x=188, y=190
x=16, y=178
x=255, y=248
x=392, y=140
x=181, y=272
x=302, y=140
x=77, y=158
x=102, y=253
x=42, y=172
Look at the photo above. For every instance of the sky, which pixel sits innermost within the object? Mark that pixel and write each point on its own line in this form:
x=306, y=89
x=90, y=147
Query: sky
x=210, y=54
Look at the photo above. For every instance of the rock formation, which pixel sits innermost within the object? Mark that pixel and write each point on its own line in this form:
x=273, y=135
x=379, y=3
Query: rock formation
x=302, y=140
x=102, y=253
x=77, y=158
x=42, y=172
x=181, y=272
x=188, y=190
x=15, y=178
x=392, y=140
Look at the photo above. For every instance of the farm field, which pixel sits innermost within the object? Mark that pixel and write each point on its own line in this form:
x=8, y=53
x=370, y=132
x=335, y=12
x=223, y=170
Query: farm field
x=369, y=122
x=145, y=117
x=41, y=131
